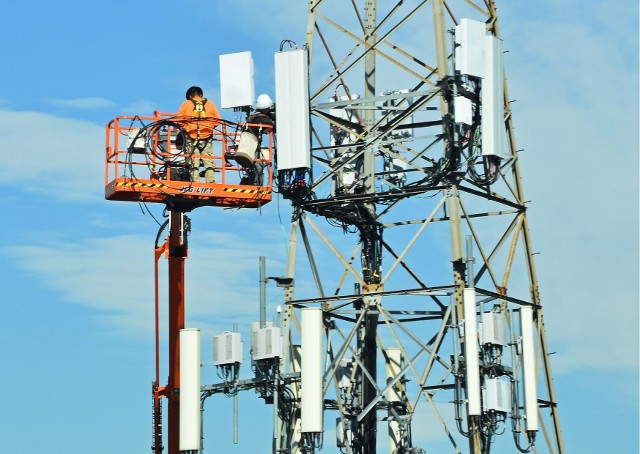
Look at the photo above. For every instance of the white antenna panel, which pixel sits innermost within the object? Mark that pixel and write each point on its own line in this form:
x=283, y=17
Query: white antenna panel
x=343, y=373
x=236, y=80
x=266, y=343
x=494, y=329
x=463, y=110
x=494, y=135
x=344, y=436
x=529, y=369
x=471, y=352
x=292, y=110
x=190, y=414
x=227, y=349
x=312, y=402
x=393, y=368
x=470, y=50
x=497, y=395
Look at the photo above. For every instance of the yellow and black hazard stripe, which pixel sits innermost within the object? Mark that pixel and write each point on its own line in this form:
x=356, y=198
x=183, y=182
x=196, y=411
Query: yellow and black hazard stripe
x=142, y=185
x=247, y=191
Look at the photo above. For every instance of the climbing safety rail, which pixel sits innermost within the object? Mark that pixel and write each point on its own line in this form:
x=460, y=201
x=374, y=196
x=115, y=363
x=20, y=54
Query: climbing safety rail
x=155, y=159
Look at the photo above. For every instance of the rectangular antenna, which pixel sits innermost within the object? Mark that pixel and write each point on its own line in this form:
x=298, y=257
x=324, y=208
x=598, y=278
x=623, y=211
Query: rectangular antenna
x=190, y=415
x=470, y=50
x=471, y=352
x=312, y=403
x=529, y=369
x=292, y=110
x=236, y=80
x=494, y=134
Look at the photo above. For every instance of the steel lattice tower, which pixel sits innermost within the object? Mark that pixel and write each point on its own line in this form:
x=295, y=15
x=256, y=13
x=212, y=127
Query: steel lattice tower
x=412, y=238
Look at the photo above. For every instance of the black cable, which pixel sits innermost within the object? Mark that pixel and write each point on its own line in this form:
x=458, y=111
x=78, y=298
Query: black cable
x=287, y=41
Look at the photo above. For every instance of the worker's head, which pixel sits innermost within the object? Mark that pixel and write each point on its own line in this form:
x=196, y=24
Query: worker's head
x=263, y=102
x=194, y=91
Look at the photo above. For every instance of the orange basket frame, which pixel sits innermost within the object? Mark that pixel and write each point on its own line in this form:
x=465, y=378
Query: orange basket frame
x=138, y=165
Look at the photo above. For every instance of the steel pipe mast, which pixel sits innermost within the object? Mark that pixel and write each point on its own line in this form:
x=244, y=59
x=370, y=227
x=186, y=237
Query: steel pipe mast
x=411, y=235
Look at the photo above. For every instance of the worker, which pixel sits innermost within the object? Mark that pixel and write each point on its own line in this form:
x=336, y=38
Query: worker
x=200, y=132
x=264, y=114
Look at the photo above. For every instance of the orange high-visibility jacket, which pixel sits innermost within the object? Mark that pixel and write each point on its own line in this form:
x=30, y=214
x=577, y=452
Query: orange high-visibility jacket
x=202, y=128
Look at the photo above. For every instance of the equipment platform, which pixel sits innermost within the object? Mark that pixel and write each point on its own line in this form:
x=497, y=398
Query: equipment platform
x=151, y=159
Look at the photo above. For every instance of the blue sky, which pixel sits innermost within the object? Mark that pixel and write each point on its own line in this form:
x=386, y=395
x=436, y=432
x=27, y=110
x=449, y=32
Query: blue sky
x=77, y=271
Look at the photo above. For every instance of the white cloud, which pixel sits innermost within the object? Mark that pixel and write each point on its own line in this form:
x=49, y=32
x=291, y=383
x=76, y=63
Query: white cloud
x=576, y=117
x=109, y=275
x=81, y=103
x=114, y=277
x=52, y=156
x=579, y=130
